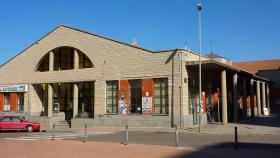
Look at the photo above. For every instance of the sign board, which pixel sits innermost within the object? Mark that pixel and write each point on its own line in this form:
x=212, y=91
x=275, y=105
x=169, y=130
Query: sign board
x=13, y=88
x=265, y=112
x=147, y=105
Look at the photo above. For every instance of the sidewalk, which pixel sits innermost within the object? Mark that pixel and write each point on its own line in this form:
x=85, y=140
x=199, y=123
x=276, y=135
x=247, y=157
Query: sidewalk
x=269, y=125
x=76, y=149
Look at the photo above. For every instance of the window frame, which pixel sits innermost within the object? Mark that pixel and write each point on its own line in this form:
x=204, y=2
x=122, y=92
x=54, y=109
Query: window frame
x=161, y=96
x=112, y=97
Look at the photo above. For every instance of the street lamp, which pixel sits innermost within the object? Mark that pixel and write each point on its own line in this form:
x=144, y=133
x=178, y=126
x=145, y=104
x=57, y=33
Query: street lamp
x=199, y=8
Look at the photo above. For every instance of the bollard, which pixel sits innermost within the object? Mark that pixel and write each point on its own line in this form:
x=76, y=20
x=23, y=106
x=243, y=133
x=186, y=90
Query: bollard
x=53, y=132
x=236, y=139
x=126, y=135
x=85, y=138
x=176, y=136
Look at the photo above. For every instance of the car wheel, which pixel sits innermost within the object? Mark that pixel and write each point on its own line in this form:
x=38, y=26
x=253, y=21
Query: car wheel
x=29, y=128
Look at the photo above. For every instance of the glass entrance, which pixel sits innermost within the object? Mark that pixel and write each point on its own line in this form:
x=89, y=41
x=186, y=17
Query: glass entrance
x=63, y=99
x=194, y=107
x=135, y=96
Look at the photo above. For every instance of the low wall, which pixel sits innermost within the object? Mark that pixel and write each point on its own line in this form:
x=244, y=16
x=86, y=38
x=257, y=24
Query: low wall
x=122, y=120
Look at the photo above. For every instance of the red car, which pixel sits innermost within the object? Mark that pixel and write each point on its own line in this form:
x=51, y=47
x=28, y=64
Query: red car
x=16, y=123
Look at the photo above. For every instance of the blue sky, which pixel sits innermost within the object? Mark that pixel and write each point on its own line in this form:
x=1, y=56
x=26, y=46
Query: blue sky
x=242, y=30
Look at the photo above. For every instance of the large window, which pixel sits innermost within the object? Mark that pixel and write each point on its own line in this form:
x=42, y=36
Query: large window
x=86, y=99
x=64, y=60
x=84, y=61
x=112, y=97
x=20, y=101
x=44, y=65
x=161, y=95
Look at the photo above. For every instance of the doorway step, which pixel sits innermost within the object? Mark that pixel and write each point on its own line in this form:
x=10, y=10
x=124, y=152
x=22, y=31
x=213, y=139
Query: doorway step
x=63, y=124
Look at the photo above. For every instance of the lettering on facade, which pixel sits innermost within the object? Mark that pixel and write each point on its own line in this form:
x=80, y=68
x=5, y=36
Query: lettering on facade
x=14, y=88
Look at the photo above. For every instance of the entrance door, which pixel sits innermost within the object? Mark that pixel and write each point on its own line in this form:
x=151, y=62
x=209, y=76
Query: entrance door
x=7, y=102
x=63, y=99
x=135, y=96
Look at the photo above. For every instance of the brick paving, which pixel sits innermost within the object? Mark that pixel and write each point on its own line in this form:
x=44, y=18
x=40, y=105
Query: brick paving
x=75, y=149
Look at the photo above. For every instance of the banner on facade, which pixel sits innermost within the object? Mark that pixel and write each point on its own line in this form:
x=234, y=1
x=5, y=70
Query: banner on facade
x=13, y=88
x=147, y=105
x=122, y=104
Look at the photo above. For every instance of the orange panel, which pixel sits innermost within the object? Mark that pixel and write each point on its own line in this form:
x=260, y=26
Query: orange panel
x=124, y=91
x=148, y=90
x=1, y=101
x=203, y=102
x=255, y=101
x=13, y=102
x=248, y=102
x=215, y=101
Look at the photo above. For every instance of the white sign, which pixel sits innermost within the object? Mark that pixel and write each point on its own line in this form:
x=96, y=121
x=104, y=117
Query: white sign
x=147, y=105
x=265, y=112
x=14, y=88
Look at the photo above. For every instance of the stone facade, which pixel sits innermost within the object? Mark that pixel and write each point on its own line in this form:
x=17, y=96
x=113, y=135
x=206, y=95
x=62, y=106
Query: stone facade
x=112, y=60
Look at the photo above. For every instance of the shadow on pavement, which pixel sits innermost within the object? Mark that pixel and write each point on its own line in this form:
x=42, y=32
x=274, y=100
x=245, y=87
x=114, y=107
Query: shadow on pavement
x=272, y=121
x=227, y=150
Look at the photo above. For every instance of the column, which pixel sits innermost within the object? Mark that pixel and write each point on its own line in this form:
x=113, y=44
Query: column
x=268, y=98
x=51, y=60
x=235, y=100
x=263, y=95
x=76, y=59
x=224, y=97
x=76, y=88
x=75, y=100
x=259, y=98
x=244, y=96
x=252, y=97
x=50, y=100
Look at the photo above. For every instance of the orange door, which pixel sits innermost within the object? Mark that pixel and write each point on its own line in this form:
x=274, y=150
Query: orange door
x=124, y=96
x=148, y=91
x=13, y=102
x=1, y=101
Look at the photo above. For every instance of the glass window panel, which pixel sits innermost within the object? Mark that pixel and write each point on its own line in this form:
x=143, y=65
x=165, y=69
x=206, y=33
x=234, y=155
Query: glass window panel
x=157, y=92
x=115, y=93
x=157, y=110
x=109, y=109
x=157, y=100
x=163, y=110
x=115, y=101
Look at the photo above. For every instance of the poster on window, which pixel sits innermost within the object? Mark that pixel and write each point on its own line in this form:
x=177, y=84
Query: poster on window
x=147, y=105
x=122, y=105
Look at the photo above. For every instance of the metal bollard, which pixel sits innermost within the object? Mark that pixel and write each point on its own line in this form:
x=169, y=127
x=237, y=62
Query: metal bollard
x=176, y=136
x=126, y=135
x=53, y=132
x=85, y=138
x=236, y=139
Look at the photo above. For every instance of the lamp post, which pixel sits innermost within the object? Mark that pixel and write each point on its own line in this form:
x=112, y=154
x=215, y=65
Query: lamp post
x=199, y=8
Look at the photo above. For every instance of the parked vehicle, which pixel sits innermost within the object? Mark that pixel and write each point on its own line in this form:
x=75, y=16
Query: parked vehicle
x=16, y=123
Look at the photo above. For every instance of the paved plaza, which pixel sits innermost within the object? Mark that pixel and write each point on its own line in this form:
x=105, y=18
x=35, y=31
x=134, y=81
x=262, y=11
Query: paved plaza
x=257, y=137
